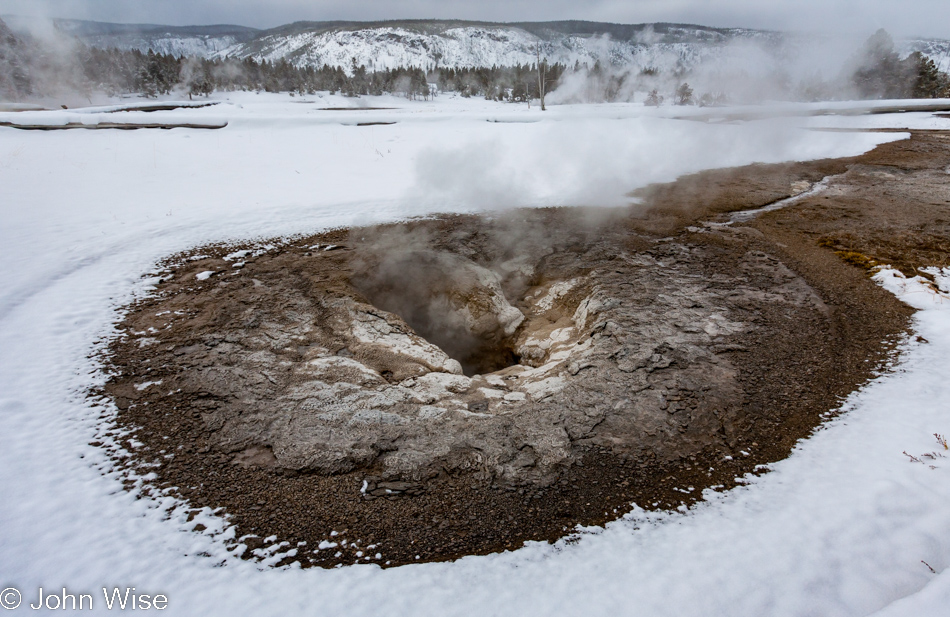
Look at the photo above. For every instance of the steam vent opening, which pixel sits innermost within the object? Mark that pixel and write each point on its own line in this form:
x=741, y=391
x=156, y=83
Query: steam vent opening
x=450, y=301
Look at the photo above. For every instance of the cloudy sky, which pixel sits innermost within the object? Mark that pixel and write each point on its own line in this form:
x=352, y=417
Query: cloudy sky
x=902, y=17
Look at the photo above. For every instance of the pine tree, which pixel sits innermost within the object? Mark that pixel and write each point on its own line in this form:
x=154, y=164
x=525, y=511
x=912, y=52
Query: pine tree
x=930, y=83
x=684, y=94
x=880, y=72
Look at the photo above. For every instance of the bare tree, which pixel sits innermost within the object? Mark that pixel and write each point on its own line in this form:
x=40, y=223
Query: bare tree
x=542, y=76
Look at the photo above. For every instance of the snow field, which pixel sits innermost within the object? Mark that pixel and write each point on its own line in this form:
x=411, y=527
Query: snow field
x=840, y=528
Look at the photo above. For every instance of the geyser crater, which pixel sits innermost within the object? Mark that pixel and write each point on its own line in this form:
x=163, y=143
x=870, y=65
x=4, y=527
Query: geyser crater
x=605, y=362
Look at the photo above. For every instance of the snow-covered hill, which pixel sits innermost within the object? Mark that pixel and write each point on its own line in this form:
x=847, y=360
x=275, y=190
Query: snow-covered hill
x=204, y=46
x=434, y=44
x=937, y=50
x=460, y=45
x=426, y=43
x=204, y=41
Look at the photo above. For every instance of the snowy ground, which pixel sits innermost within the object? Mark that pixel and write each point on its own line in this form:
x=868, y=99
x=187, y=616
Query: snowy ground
x=840, y=528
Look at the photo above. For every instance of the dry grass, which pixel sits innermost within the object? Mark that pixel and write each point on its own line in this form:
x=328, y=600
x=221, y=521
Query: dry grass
x=858, y=259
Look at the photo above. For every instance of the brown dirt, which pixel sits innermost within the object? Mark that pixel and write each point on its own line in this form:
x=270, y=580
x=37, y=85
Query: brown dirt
x=792, y=363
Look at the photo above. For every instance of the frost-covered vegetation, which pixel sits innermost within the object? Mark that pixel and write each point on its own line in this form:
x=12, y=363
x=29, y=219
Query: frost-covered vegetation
x=880, y=72
x=32, y=68
x=875, y=71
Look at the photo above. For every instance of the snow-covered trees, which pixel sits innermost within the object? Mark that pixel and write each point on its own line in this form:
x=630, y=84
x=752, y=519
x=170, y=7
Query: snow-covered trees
x=880, y=72
x=684, y=94
x=28, y=69
x=15, y=80
x=930, y=83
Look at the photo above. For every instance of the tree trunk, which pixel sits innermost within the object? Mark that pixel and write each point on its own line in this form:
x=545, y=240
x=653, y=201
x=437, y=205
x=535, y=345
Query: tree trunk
x=541, y=72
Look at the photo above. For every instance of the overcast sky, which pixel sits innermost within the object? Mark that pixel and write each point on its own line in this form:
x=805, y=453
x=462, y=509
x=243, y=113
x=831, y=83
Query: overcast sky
x=900, y=17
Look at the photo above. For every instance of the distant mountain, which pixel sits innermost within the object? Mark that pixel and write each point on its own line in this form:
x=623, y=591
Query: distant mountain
x=95, y=28
x=937, y=50
x=432, y=44
x=203, y=41
x=420, y=43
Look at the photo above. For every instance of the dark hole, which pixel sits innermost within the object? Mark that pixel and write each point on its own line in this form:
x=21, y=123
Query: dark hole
x=485, y=359
x=436, y=322
x=424, y=289
x=478, y=406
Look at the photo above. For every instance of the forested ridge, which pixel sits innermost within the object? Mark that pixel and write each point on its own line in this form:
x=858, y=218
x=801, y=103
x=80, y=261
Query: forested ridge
x=30, y=69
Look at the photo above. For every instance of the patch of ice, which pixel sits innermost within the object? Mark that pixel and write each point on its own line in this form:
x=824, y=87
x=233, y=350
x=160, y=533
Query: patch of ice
x=237, y=255
x=748, y=215
x=142, y=386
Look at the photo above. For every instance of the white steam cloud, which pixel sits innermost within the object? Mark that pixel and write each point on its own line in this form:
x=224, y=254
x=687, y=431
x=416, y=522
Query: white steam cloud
x=598, y=161
x=744, y=70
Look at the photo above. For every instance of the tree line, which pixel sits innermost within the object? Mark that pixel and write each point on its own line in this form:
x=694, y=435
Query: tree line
x=881, y=74
x=115, y=71
x=32, y=71
x=874, y=71
x=27, y=70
